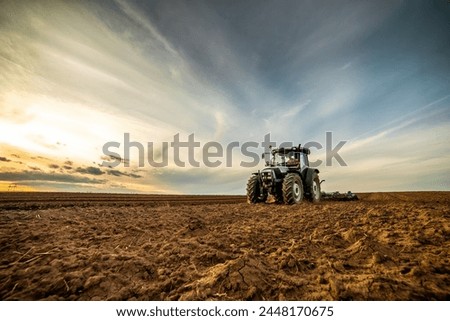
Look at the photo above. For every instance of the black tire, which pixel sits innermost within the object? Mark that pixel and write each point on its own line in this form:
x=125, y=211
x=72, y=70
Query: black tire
x=292, y=189
x=315, y=194
x=279, y=194
x=254, y=194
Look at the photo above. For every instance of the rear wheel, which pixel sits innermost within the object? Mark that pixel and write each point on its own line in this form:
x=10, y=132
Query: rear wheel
x=315, y=192
x=254, y=192
x=292, y=189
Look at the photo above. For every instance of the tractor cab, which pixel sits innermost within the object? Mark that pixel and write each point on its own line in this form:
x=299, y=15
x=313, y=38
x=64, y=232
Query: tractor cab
x=292, y=157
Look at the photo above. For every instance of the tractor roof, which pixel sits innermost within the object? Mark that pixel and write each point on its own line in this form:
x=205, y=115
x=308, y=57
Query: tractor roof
x=286, y=150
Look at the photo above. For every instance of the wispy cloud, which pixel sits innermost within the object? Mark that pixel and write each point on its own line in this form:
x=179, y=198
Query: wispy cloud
x=47, y=177
x=118, y=173
x=90, y=170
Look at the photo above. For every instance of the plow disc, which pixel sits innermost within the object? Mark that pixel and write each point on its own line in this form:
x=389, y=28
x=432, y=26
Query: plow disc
x=336, y=196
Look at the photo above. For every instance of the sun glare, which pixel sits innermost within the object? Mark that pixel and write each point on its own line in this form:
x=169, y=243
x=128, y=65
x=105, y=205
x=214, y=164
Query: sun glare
x=57, y=128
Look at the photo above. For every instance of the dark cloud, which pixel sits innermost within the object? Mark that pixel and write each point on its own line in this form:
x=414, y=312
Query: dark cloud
x=90, y=170
x=112, y=158
x=49, y=177
x=4, y=159
x=15, y=155
x=54, y=166
x=135, y=175
x=34, y=168
x=68, y=165
x=115, y=172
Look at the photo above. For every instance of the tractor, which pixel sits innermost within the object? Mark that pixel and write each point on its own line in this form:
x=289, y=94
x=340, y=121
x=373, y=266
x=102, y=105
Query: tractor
x=287, y=177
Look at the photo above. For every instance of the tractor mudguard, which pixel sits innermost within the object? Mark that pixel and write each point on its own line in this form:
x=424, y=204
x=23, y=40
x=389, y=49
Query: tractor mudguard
x=308, y=174
x=258, y=173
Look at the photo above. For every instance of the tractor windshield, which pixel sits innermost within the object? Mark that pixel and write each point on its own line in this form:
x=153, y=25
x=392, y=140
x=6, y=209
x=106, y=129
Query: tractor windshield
x=292, y=158
x=279, y=159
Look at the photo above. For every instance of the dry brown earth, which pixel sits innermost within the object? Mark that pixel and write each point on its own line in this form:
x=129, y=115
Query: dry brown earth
x=386, y=246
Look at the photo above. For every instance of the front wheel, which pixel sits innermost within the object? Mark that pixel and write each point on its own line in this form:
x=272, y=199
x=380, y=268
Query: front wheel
x=292, y=189
x=255, y=194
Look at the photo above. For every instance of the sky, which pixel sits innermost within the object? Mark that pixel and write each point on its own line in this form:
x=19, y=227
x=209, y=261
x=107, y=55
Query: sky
x=76, y=75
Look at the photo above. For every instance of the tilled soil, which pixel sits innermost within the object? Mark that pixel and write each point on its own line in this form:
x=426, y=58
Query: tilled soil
x=386, y=246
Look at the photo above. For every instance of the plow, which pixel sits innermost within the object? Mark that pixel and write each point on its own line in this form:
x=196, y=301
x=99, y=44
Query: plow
x=336, y=196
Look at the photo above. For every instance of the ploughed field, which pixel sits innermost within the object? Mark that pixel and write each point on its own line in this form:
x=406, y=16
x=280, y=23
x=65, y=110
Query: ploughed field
x=63, y=246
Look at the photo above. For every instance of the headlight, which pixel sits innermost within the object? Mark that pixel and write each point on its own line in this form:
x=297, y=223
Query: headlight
x=267, y=175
